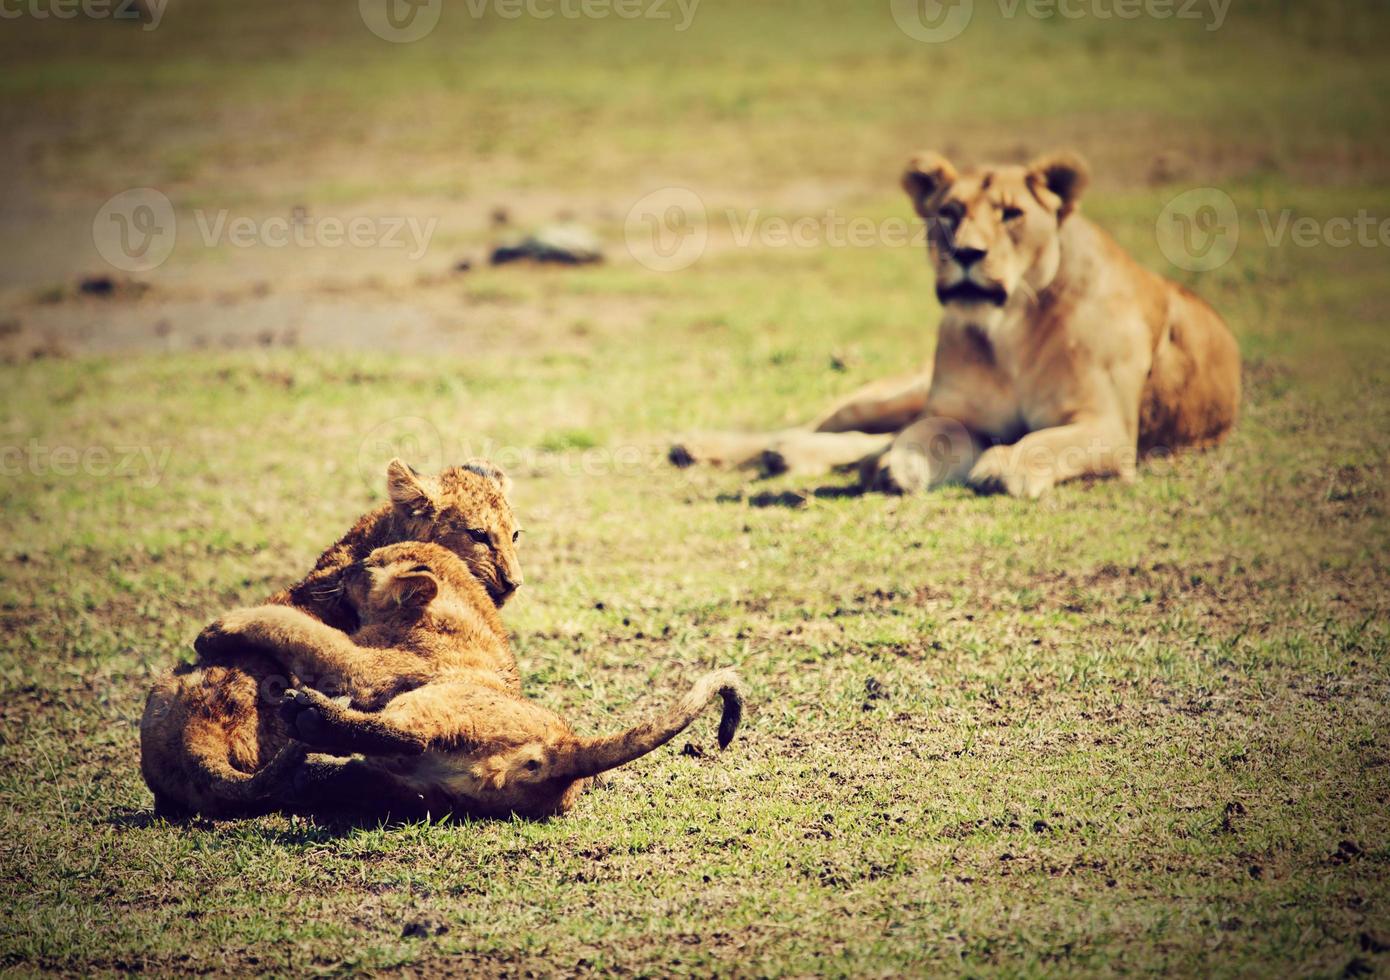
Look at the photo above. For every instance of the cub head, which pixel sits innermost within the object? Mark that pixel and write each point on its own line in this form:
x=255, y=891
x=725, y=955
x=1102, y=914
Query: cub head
x=993, y=234
x=404, y=578
x=465, y=510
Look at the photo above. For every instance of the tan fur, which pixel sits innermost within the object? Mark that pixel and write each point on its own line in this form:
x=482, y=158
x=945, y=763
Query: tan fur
x=210, y=739
x=465, y=742
x=1058, y=356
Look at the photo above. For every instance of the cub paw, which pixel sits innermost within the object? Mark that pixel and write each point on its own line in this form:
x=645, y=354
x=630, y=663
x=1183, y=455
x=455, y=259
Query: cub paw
x=305, y=713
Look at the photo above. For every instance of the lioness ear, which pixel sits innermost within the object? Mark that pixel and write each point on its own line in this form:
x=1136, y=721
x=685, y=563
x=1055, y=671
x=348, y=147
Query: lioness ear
x=927, y=175
x=406, y=490
x=1058, y=181
x=489, y=469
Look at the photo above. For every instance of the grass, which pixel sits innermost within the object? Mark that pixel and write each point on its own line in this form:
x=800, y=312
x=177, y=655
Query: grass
x=1123, y=729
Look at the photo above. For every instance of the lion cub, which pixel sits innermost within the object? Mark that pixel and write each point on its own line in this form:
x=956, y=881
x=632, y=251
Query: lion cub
x=210, y=739
x=454, y=730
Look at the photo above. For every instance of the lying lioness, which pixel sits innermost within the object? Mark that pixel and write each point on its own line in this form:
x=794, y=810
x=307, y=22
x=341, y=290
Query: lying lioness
x=1057, y=356
x=433, y=701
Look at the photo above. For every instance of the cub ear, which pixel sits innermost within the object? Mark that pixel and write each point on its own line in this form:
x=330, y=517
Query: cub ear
x=1058, y=180
x=414, y=589
x=406, y=490
x=927, y=175
x=489, y=469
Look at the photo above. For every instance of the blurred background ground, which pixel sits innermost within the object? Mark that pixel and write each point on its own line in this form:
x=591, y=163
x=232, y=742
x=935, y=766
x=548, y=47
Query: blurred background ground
x=1124, y=728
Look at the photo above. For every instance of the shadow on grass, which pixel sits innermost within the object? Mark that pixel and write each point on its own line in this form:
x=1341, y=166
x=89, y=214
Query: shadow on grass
x=791, y=499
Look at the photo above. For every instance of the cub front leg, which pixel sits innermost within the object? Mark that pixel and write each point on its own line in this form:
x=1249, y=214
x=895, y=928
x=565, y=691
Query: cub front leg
x=319, y=655
x=1042, y=459
x=323, y=724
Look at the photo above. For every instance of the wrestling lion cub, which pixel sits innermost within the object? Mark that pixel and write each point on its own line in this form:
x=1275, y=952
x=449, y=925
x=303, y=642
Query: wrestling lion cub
x=1058, y=355
x=211, y=740
x=454, y=730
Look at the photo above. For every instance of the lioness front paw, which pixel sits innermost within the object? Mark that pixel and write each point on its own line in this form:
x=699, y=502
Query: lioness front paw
x=998, y=471
x=898, y=470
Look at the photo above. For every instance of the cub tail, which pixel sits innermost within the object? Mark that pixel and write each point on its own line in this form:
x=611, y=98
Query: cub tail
x=592, y=756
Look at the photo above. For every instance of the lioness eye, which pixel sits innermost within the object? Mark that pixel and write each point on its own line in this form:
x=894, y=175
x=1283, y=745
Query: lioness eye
x=1012, y=214
x=516, y=536
x=479, y=536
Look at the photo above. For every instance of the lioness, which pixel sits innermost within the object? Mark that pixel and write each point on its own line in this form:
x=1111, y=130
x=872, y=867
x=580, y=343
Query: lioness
x=211, y=740
x=453, y=730
x=1057, y=356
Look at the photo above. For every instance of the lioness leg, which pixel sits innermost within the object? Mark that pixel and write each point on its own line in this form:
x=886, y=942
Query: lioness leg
x=928, y=453
x=734, y=450
x=879, y=408
x=814, y=453
x=884, y=406
x=1044, y=458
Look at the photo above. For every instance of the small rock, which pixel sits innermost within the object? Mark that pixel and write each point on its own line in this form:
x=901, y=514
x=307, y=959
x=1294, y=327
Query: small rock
x=97, y=286
x=558, y=244
x=422, y=928
x=1372, y=943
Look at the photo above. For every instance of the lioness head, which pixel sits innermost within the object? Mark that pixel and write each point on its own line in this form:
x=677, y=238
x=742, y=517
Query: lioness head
x=465, y=510
x=993, y=233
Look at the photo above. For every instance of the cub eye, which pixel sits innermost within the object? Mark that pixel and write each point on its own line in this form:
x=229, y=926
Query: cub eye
x=479, y=535
x=516, y=536
x=1013, y=214
x=533, y=765
x=951, y=215
x=420, y=568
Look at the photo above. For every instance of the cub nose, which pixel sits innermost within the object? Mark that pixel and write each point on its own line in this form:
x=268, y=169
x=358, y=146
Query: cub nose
x=511, y=581
x=968, y=256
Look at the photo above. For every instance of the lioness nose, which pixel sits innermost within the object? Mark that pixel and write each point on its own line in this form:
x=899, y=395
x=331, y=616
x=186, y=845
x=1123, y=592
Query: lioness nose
x=968, y=256
x=511, y=581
